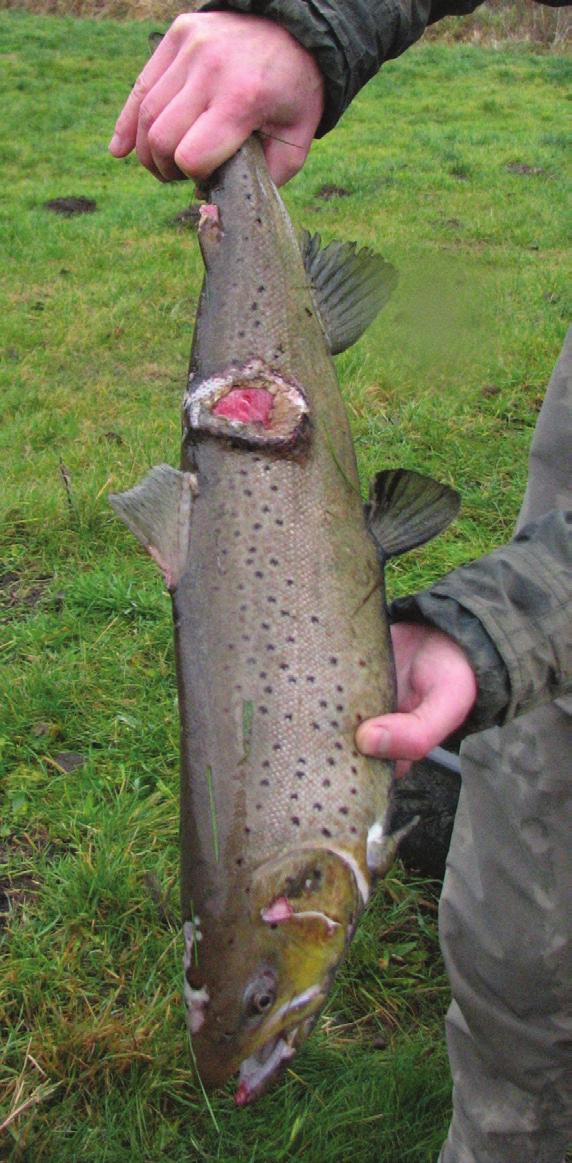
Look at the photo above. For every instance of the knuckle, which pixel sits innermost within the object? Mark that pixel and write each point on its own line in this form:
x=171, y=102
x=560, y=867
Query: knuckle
x=139, y=90
x=252, y=93
x=157, y=143
x=147, y=115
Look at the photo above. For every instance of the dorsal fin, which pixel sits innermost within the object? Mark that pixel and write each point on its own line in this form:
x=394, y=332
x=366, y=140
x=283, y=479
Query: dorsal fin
x=157, y=511
x=350, y=287
x=406, y=509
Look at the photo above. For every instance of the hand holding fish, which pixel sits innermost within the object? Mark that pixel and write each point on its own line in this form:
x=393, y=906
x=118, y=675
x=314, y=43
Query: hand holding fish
x=214, y=78
x=436, y=690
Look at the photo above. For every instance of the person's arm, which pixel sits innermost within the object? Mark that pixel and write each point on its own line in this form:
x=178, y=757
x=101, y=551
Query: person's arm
x=489, y=642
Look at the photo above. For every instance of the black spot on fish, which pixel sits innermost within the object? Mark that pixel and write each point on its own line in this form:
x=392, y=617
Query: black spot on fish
x=265, y=783
x=331, y=762
x=294, y=795
x=344, y=811
x=317, y=807
x=276, y=746
x=326, y=782
x=326, y=832
x=333, y=660
x=300, y=774
x=295, y=820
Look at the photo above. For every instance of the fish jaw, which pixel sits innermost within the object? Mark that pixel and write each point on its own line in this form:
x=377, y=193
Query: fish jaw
x=251, y=1008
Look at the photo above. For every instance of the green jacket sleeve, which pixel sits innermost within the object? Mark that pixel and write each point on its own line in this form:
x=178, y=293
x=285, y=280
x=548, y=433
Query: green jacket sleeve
x=511, y=612
x=351, y=39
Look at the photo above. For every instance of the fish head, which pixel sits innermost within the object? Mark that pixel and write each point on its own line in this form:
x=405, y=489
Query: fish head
x=253, y=999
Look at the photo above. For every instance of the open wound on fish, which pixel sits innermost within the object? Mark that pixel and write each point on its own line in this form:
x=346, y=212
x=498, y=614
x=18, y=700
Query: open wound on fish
x=251, y=404
x=158, y=512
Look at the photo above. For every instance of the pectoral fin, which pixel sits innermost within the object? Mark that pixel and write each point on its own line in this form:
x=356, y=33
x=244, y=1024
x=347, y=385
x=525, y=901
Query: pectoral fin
x=157, y=511
x=406, y=509
x=350, y=287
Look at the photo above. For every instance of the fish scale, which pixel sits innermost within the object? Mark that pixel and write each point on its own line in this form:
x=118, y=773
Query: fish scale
x=304, y=661
x=281, y=638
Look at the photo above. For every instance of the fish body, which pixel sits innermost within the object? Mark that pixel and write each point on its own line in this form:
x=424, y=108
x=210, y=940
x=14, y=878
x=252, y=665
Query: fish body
x=282, y=642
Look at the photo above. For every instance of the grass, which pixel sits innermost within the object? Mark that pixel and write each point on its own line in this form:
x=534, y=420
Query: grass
x=465, y=194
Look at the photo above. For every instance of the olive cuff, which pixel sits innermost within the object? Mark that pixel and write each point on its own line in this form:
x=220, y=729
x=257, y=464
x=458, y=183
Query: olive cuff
x=510, y=613
x=349, y=38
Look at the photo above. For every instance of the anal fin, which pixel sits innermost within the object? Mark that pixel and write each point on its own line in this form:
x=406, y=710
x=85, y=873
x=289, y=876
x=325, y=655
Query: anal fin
x=158, y=512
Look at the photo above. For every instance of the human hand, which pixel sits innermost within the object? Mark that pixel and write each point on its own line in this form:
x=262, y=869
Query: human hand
x=214, y=79
x=436, y=690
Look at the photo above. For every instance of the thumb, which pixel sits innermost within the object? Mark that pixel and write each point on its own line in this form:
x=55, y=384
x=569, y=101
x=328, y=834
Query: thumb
x=412, y=735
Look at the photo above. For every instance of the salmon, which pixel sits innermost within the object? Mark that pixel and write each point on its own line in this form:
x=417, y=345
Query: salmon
x=275, y=569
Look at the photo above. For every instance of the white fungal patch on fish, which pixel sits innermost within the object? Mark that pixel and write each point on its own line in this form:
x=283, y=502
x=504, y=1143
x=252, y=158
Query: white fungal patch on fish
x=197, y=1001
x=281, y=911
x=359, y=876
x=375, y=839
x=192, y=934
x=297, y=1003
x=382, y=847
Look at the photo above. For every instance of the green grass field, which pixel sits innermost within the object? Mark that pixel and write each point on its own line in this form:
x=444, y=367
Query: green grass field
x=453, y=163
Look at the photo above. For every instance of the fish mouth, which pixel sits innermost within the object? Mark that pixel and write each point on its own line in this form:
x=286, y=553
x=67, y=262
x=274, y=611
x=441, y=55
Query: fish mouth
x=267, y=1062
x=258, y=1071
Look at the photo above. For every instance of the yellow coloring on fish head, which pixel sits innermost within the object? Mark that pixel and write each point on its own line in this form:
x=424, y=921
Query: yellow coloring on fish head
x=252, y=1007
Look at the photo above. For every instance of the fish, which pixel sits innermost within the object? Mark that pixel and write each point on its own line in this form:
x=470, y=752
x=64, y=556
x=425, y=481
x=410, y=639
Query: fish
x=275, y=568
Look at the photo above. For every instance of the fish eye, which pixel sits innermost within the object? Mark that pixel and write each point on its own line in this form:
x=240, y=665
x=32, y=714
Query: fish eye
x=260, y=995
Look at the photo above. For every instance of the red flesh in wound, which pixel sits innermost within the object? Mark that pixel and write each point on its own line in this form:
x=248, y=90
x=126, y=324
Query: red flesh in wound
x=249, y=405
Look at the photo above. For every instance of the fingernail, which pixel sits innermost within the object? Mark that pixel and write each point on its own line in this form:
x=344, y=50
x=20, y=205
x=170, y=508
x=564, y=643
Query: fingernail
x=115, y=142
x=374, y=741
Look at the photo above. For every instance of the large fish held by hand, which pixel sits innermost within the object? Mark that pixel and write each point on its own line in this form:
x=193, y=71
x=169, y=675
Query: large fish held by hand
x=276, y=575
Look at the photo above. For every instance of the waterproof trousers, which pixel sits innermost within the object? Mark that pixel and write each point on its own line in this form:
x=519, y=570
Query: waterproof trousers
x=506, y=907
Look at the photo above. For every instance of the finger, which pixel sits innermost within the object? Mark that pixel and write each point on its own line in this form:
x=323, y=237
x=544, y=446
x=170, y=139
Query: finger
x=165, y=115
x=284, y=154
x=411, y=736
x=214, y=138
x=123, y=140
